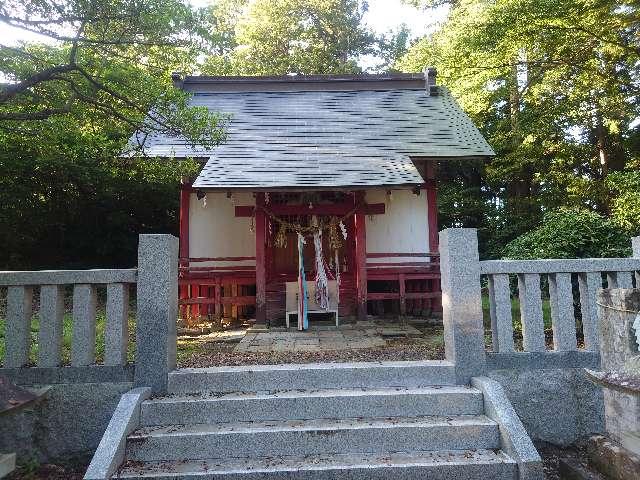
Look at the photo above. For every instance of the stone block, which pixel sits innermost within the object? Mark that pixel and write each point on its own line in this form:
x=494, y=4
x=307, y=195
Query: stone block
x=462, y=302
x=313, y=404
x=116, y=333
x=312, y=437
x=50, y=325
x=111, y=450
x=562, y=315
x=68, y=277
x=500, y=310
x=531, y=312
x=451, y=465
x=589, y=284
x=83, y=344
x=612, y=459
x=514, y=438
x=18, y=326
x=70, y=420
x=622, y=419
x=312, y=376
x=157, y=311
x=558, y=406
x=616, y=319
x=568, y=265
x=7, y=464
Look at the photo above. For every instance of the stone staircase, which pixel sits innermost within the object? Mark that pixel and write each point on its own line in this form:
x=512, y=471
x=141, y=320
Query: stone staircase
x=399, y=420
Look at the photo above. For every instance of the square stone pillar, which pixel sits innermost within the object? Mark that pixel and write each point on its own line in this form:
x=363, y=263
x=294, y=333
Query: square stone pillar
x=462, y=302
x=157, y=311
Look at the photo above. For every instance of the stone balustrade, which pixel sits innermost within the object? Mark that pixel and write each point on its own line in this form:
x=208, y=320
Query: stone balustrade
x=85, y=283
x=462, y=277
x=589, y=275
x=155, y=280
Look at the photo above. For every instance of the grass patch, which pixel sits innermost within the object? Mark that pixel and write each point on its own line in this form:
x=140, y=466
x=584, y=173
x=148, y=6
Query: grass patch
x=67, y=338
x=515, y=314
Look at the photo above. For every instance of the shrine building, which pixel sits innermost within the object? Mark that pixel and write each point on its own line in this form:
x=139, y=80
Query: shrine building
x=353, y=157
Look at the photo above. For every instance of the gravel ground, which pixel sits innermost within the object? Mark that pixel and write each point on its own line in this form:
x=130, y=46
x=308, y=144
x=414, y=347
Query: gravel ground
x=551, y=456
x=63, y=470
x=426, y=348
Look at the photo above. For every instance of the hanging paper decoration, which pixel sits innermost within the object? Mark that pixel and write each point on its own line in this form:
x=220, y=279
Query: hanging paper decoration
x=267, y=198
x=343, y=229
x=303, y=321
x=322, y=282
x=252, y=225
x=334, y=239
x=281, y=237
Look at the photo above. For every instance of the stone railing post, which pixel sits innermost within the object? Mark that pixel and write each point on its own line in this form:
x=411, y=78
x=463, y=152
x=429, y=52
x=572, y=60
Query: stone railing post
x=462, y=302
x=635, y=253
x=157, y=311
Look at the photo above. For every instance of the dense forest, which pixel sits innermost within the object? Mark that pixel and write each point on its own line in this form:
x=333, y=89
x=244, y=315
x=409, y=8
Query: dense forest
x=552, y=84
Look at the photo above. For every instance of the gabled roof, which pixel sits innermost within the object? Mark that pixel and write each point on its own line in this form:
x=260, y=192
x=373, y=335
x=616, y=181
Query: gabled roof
x=328, y=131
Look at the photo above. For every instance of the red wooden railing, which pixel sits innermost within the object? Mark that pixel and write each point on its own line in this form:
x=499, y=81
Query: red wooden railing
x=418, y=282
x=215, y=291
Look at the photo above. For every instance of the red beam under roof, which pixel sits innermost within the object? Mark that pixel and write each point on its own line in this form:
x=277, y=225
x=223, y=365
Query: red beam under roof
x=328, y=209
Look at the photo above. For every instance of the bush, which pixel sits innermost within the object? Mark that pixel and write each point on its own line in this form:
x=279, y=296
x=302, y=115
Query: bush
x=571, y=233
x=625, y=197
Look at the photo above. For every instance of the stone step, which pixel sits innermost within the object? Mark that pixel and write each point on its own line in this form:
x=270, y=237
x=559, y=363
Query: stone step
x=312, y=404
x=312, y=437
x=256, y=378
x=439, y=465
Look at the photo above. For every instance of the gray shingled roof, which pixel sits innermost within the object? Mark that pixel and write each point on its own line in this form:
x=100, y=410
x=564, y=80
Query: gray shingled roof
x=325, y=131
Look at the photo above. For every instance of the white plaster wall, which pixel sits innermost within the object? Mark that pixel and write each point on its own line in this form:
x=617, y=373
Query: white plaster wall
x=403, y=228
x=215, y=231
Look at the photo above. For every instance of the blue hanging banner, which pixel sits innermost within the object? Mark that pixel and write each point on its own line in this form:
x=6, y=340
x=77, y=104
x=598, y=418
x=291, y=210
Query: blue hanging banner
x=303, y=320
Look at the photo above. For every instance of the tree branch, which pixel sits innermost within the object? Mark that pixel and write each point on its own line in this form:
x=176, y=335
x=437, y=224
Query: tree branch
x=11, y=90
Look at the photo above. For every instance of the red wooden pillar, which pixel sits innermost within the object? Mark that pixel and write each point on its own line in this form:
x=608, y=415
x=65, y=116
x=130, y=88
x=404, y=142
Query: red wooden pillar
x=432, y=206
x=217, y=295
x=361, y=258
x=185, y=196
x=403, y=299
x=261, y=261
x=195, y=293
x=432, y=220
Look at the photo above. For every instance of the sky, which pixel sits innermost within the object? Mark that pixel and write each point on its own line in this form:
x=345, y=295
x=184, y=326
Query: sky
x=383, y=15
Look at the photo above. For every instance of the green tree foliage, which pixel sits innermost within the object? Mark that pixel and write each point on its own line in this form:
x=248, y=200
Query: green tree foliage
x=553, y=84
x=275, y=37
x=625, y=197
x=571, y=233
x=110, y=57
x=67, y=198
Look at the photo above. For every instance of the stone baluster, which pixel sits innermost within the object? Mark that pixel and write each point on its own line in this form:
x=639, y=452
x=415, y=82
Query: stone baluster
x=462, y=302
x=50, y=325
x=562, y=314
x=500, y=309
x=83, y=345
x=531, y=312
x=116, y=335
x=635, y=248
x=590, y=283
x=18, y=326
x=619, y=280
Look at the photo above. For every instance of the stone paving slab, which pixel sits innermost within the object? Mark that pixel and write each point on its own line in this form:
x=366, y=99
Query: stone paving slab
x=363, y=335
